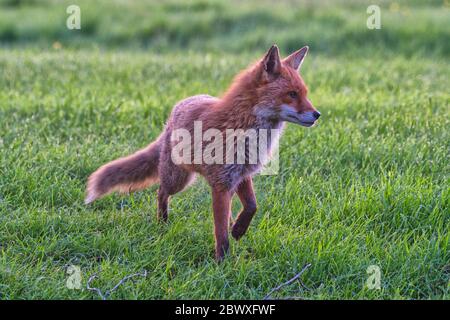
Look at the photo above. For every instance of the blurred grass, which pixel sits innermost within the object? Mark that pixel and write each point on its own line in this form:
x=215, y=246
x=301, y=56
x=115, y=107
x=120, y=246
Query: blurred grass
x=409, y=27
x=368, y=185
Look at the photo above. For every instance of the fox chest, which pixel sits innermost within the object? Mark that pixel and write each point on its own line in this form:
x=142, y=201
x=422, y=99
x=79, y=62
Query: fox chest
x=248, y=154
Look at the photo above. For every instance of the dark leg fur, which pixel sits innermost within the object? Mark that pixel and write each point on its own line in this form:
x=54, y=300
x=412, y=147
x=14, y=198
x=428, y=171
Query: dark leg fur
x=248, y=200
x=221, y=206
x=163, y=203
x=173, y=179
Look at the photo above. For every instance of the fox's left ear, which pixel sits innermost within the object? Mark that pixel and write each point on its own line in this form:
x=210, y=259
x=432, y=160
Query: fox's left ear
x=295, y=60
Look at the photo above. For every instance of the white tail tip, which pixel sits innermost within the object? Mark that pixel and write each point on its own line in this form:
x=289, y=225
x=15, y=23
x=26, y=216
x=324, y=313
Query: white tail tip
x=89, y=198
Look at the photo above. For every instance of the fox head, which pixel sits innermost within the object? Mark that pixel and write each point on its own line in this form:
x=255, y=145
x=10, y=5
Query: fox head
x=281, y=92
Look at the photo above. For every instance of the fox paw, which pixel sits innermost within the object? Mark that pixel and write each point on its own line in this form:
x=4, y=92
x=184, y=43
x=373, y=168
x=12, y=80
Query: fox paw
x=238, y=231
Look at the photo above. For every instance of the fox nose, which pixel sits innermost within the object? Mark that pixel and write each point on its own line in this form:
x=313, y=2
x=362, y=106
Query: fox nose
x=316, y=114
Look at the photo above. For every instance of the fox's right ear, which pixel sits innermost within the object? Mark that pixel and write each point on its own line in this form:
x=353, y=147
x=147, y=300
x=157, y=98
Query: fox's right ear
x=271, y=61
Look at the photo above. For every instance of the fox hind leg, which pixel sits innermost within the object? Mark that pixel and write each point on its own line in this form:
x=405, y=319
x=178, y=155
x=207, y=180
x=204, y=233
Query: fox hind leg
x=163, y=205
x=173, y=179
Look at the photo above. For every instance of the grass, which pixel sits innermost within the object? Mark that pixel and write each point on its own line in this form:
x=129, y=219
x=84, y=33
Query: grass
x=368, y=186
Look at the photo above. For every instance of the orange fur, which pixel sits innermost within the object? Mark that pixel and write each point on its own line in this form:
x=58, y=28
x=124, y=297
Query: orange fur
x=261, y=97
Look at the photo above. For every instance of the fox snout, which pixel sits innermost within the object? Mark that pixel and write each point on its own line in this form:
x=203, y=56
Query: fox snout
x=308, y=115
x=316, y=114
x=309, y=118
x=303, y=118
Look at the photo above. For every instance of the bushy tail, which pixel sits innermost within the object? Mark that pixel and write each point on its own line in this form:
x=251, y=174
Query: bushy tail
x=127, y=174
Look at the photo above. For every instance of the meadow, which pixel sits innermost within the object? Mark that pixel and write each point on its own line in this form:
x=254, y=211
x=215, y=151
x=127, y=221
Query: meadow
x=369, y=185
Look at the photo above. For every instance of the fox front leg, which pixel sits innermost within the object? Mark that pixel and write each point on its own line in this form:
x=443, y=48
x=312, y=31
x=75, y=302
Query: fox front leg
x=248, y=200
x=221, y=200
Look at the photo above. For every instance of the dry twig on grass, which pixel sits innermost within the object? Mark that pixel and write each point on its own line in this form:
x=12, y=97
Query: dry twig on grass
x=290, y=281
x=109, y=292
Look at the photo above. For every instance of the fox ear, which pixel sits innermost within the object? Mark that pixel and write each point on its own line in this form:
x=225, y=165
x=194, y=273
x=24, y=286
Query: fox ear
x=295, y=60
x=271, y=61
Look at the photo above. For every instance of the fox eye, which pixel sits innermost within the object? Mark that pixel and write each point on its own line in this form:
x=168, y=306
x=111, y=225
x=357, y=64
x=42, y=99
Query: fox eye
x=293, y=94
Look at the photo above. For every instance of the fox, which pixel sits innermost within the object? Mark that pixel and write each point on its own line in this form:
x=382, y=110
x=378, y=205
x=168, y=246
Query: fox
x=266, y=95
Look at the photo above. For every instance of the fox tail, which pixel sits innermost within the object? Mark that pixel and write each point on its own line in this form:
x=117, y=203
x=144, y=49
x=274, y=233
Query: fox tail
x=135, y=172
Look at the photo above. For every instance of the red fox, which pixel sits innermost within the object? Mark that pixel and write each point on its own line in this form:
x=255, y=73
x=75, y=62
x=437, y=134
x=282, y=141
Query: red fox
x=264, y=96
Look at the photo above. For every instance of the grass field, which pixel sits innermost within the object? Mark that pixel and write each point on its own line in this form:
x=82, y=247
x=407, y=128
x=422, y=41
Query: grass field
x=368, y=186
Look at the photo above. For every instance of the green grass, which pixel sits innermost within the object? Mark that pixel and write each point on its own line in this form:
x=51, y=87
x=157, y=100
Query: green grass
x=368, y=186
